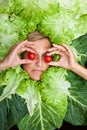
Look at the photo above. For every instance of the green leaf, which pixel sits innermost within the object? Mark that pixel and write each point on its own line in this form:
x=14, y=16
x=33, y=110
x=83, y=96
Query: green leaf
x=80, y=45
x=11, y=111
x=61, y=27
x=13, y=78
x=44, y=117
x=27, y=91
x=17, y=109
x=3, y=115
x=76, y=6
x=47, y=99
x=77, y=99
x=5, y=6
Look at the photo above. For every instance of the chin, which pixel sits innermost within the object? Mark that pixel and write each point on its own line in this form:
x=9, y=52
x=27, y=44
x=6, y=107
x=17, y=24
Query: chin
x=35, y=78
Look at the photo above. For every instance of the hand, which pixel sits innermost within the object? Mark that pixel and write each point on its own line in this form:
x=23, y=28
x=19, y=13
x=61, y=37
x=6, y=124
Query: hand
x=67, y=59
x=13, y=59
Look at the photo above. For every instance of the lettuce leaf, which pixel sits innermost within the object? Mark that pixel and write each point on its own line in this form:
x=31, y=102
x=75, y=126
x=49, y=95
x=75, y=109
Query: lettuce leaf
x=5, y=6
x=11, y=110
x=27, y=91
x=78, y=7
x=63, y=26
x=46, y=101
x=42, y=98
x=44, y=117
x=8, y=35
x=61, y=94
x=58, y=96
x=77, y=101
x=12, y=80
x=15, y=23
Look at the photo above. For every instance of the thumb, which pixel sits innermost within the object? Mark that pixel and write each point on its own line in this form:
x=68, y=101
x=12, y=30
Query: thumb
x=53, y=63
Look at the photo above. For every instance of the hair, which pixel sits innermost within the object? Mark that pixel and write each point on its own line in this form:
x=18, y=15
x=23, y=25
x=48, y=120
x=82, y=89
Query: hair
x=36, y=35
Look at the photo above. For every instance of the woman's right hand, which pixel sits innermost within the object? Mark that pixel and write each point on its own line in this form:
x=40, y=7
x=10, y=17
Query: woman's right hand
x=12, y=59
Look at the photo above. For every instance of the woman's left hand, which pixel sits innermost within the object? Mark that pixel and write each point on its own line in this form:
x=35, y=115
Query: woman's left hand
x=67, y=59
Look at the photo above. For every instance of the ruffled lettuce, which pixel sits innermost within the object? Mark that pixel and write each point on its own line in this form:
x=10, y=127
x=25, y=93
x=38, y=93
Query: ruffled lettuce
x=61, y=94
x=42, y=98
x=63, y=26
x=78, y=7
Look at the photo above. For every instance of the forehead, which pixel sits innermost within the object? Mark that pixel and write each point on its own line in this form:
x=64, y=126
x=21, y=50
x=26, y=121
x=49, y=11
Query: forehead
x=42, y=45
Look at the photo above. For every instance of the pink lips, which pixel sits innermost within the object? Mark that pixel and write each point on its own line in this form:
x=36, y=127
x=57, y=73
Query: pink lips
x=38, y=71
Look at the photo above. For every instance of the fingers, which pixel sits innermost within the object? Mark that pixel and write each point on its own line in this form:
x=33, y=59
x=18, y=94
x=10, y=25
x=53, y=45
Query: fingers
x=53, y=63
x=26, y=42
x=25, y=49
x=23, y=46
x=68, y=49
x=61, y=50
x=57, y=49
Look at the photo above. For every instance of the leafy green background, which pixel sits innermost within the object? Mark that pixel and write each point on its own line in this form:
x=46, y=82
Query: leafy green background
x=61, y=94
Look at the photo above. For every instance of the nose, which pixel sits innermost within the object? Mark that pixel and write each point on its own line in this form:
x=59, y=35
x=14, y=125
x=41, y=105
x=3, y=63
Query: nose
x=39, y=61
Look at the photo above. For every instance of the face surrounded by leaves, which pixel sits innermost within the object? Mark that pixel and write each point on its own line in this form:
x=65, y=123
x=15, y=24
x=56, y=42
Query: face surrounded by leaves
x=38, y=64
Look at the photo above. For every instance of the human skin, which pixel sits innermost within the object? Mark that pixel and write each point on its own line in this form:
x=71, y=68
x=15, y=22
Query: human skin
x=12, y=59
x=38, y=65
x=33, y=67
x=67, y=60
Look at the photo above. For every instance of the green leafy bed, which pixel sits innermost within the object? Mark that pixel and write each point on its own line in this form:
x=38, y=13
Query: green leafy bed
x=60, y=94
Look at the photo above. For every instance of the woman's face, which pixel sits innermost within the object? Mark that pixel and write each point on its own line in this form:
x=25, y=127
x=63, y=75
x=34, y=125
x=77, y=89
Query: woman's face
x=38, y=65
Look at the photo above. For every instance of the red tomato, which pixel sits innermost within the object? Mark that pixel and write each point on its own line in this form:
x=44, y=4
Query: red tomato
x=31, y=55
x=48, y=58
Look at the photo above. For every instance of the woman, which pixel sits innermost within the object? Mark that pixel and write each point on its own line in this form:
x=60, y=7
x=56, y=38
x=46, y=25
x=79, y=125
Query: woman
x=41, y=46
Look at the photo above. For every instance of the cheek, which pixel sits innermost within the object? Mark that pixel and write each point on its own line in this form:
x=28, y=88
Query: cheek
x=46, y=66
x=27, y=67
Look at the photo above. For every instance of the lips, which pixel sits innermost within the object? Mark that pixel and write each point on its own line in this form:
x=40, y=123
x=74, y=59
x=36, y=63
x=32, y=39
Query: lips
x=37, y=71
